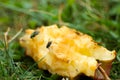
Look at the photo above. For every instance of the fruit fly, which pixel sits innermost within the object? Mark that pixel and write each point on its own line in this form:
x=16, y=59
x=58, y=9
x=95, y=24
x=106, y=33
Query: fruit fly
x=34, y=34
x=48, y=44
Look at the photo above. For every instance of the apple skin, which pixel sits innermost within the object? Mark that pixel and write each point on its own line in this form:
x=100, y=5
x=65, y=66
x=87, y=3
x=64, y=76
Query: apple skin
x=106, y=66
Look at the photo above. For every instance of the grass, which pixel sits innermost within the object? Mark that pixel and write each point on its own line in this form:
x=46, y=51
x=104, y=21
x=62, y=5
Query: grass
x=98, y=18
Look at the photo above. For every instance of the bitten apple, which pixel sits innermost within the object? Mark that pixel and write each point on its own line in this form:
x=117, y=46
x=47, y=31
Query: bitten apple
x=67, y=52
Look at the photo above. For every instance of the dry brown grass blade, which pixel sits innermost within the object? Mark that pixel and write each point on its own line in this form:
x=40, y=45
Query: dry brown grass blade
x=18, y=33
x=6, y=36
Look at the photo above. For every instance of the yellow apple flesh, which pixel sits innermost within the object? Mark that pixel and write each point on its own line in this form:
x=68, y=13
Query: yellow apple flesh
x=65, y=51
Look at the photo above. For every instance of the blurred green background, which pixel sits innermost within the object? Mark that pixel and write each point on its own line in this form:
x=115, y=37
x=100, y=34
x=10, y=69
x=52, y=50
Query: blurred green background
x=98, y=18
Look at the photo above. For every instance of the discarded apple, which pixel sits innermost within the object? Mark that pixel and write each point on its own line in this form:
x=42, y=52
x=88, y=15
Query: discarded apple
x=67, y=52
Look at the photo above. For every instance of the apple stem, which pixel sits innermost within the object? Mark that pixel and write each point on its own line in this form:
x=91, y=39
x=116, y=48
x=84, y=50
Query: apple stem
x=104, y=73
